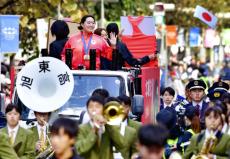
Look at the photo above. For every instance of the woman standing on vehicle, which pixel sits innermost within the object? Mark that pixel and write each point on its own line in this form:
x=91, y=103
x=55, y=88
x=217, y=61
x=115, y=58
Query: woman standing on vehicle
x=82, y=42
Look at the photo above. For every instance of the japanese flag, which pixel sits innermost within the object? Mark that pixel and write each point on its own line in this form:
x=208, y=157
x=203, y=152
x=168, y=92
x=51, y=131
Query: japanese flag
x=205, y=16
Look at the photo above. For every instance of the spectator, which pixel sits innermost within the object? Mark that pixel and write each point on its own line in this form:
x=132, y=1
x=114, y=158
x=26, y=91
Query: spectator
x=167, y=94
x=101, y=32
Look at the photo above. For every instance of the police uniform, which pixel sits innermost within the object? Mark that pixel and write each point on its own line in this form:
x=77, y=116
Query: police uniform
x=23, y=142
x=202, y=105
x=217, y=90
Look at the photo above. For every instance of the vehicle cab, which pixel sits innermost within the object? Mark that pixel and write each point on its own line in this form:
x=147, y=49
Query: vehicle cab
x=85, y=82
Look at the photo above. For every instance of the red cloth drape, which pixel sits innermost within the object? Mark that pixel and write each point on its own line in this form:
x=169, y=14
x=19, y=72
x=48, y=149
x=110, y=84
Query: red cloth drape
x=138, y=43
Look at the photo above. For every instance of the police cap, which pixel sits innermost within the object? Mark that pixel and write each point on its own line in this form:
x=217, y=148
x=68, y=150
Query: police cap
x=196, y=84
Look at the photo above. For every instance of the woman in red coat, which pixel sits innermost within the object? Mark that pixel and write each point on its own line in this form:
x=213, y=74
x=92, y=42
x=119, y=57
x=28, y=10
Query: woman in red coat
x=85, y=40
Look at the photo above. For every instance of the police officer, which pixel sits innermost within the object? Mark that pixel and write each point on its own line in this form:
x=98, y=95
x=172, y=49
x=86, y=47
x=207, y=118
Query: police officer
x=196, y=91
x=216, y=95
x=217, y=90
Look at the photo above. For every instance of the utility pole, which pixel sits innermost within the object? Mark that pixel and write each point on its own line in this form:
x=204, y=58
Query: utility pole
x=102, y=13
x=159, y=10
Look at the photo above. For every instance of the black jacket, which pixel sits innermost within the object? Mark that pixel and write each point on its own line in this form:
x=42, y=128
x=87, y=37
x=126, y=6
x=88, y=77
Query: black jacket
x=75, y=155
x=121, y=56
x=56, y=48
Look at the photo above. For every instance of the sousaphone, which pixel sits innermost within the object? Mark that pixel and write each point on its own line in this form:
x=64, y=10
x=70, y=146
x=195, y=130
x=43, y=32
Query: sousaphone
x=45, y=84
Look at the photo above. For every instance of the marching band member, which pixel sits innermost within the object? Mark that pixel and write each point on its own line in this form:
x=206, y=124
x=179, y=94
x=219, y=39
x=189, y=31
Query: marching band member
x=96, y=138
x=85, y=40
x=20, y=138
x=84, y=117
x=6, y=151
x=211, y=140
x=126, y=103
x=129, y=132
x=151, y=141
x=196, y=90
x=40, y=131
x=63, y=135
x=101, y=92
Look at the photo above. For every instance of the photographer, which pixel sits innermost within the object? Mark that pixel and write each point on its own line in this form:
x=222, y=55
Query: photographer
x=192, y=126
x=168, y=118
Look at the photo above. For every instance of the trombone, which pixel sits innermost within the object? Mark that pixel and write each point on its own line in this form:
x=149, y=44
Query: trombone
x=113, y=114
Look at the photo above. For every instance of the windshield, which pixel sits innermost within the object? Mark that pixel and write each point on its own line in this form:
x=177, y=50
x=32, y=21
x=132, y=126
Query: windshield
x=84, y=85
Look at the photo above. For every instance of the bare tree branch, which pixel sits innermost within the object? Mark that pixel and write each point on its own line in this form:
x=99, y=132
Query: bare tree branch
x=8, y=3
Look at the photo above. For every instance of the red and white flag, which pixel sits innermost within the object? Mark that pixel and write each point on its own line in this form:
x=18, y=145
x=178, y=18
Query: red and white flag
x=204, y=15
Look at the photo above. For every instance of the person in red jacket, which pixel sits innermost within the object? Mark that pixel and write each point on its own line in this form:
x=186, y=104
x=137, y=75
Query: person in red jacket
x=82, y=42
